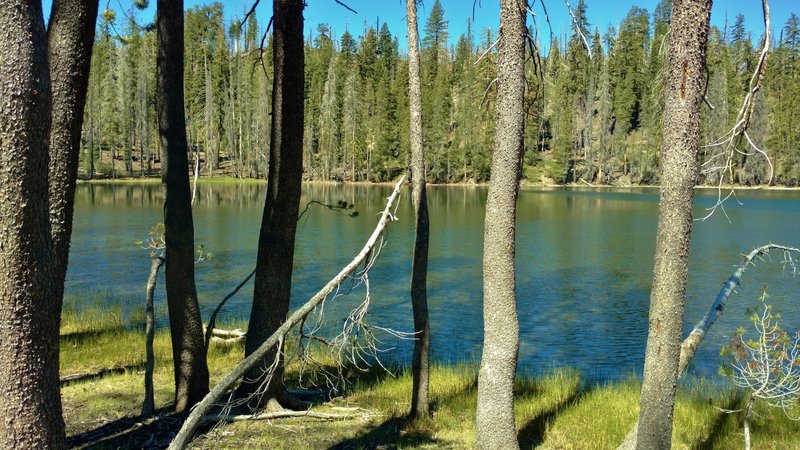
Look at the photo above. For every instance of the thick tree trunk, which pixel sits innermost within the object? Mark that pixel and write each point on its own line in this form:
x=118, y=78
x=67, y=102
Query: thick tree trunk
x=273, y=280
x=686, y=60
x=419, y=271
x=30, y=404
x=188, y=351
x=495, y=412
x=70, y=37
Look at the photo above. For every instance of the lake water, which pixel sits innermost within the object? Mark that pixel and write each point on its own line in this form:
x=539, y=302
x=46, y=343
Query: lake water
x=584, y=264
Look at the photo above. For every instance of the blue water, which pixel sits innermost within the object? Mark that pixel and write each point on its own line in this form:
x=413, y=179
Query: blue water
x=584, y=264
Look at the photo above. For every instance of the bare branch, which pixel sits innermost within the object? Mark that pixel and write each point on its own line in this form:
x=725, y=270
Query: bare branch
x=203, y=408
x=722, y=163
x=578, y=27
x=487, y=51
x=346, y=7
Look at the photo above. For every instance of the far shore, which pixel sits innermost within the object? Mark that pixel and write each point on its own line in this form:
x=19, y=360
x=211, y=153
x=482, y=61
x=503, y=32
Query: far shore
x=524, y=183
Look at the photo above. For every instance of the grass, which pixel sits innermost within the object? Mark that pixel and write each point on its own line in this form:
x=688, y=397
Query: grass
x=553, y=411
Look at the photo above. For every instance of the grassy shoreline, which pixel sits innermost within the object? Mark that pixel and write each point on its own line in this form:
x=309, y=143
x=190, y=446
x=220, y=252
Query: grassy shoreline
x=553, y=410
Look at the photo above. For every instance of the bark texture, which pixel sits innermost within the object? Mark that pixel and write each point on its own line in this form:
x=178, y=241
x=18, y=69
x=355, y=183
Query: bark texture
x=495, y=412
x=186, y=327
x=419, y=270
x=149, y=405
x=30, y=405
x=70, y=37
x=273, y=279
x=685, y=82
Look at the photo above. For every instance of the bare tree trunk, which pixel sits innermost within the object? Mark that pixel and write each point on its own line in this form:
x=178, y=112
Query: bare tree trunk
x=70, y=37
x=188, y=351
x=273, y=279
x=30, y=404
x=419, y=271
x=686, y=60
x=495, y=412
x=148, y=405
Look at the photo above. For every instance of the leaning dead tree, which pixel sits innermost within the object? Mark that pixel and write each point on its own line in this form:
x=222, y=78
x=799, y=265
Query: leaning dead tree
x=692, y=342
x=351, y=272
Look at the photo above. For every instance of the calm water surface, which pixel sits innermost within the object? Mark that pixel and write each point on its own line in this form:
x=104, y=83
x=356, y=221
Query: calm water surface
x=584, y=264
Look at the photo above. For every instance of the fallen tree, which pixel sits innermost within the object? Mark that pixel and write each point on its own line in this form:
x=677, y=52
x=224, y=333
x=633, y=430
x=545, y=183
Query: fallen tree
x=692, y=342
x=201, y=410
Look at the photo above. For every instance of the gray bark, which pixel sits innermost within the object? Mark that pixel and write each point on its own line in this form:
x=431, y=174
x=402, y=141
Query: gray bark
x=419, y=270
x=495, y=412
x=30, y=405
x=186, y=327
x=273, y=279
x=148, y=405
x=687, y=48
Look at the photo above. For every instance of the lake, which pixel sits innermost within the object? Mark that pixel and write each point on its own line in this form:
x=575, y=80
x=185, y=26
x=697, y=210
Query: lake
x=584, y=264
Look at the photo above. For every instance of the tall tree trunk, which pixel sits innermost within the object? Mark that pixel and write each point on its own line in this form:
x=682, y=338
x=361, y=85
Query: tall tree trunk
x=273, y=279
x=30, y=404
x=686, y=59
x=188, y=351
x=419, y=271
x=70, y=37
x=495, y=412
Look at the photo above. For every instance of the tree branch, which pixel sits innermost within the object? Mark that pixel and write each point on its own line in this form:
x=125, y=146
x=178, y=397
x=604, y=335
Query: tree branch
x=201, y=410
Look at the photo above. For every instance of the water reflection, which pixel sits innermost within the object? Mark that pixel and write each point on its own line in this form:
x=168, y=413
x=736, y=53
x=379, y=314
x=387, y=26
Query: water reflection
x=584, y=263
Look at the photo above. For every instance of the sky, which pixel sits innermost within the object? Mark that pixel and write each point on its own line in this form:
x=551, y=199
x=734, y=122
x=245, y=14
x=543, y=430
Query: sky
x=601, y=13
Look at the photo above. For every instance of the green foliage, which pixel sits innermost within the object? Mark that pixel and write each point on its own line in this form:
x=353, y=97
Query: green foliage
x=594, y=119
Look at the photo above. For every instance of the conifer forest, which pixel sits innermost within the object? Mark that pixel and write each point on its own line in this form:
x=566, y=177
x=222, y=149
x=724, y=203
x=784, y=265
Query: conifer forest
x=592, y=117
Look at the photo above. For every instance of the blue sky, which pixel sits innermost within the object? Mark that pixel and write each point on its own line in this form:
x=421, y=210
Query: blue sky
x=601, y=13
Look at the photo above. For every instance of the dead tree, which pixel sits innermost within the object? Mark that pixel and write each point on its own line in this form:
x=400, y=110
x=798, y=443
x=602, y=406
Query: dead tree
x=255, y=361
x=148, y=405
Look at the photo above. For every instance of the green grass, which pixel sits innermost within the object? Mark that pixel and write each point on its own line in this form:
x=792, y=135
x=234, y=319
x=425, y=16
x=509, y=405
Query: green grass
x=553, y=411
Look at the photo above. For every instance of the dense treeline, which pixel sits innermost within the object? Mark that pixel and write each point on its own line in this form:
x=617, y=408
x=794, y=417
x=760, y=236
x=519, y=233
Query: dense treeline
x=592, y=117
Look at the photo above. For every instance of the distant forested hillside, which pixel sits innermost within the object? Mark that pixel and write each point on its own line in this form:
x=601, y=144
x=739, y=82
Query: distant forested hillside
x=596, y=119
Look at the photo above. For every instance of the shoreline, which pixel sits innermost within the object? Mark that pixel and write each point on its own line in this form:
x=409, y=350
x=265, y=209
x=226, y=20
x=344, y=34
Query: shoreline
x=523, y=184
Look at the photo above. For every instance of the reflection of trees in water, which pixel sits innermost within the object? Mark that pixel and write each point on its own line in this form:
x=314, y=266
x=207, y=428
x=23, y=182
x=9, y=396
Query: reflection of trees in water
x=593, y=252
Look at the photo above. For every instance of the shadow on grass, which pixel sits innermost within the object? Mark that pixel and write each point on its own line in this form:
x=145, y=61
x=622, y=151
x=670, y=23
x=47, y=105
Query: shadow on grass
x=66, y=380
x=531, y=435
x=718, y=426
x=316, y=390
x=395, y=431
x=130, y=432
x=81, y=337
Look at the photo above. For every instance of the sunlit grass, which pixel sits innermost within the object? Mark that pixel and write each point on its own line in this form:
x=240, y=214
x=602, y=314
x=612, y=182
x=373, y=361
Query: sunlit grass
x=555, y=410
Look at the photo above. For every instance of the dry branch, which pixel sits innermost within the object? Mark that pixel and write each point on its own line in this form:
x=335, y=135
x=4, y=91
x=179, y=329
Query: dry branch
x=722, y=163
x=202, y=409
